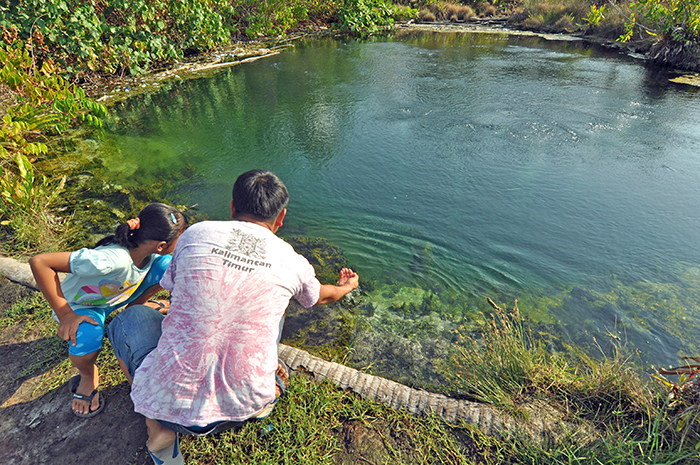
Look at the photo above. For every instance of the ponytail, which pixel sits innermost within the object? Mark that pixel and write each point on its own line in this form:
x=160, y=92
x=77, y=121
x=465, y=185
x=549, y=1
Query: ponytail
x=156, y=222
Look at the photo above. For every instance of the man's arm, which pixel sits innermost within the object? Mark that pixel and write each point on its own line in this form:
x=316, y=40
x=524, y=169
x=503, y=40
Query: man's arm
x=348, y=281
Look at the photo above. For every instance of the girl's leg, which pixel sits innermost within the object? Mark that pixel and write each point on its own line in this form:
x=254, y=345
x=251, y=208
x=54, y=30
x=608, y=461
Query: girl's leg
x=125, y=370
x=83, y=355
x=89, y=379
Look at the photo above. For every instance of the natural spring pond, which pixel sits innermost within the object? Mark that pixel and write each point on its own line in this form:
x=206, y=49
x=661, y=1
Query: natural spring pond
x=448, y=168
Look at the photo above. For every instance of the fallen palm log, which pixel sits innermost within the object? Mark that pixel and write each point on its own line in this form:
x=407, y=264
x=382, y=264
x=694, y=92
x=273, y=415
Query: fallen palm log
x=544, y=422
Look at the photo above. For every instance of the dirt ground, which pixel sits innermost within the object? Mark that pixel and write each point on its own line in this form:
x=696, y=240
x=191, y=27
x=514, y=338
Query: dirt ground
x=42, y=430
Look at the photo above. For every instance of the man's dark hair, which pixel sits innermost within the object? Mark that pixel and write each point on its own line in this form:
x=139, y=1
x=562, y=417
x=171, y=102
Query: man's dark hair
x=261, y=194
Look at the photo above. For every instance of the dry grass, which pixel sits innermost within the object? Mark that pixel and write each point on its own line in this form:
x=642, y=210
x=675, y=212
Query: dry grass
x=6, y=99
x=567, y=16
x=485, y=9
x=444, y=11
x=426, y=16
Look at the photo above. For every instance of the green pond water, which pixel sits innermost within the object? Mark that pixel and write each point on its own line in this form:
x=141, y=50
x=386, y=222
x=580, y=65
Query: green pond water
x=451, y=167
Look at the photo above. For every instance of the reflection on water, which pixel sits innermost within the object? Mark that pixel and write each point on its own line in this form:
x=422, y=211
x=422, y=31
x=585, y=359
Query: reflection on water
x=462, y=165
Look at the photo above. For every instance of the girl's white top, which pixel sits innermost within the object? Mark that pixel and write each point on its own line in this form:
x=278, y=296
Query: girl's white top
x=102, y=278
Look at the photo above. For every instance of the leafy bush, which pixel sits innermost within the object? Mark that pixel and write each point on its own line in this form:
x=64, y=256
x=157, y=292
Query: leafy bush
x=595, y=15
x=270, y=17
x=39, y=103
x=364, y=17
x=112, y=35
x=677, y=20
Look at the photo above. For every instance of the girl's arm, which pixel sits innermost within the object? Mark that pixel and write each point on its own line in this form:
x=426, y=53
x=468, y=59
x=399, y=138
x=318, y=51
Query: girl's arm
x=45, y=268
x=146, y=295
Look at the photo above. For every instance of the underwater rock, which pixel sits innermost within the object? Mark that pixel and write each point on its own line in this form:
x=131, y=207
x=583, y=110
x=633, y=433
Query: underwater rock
x=326, y=258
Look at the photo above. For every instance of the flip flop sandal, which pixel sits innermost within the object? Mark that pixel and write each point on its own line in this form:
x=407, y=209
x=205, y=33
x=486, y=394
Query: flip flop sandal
x=161, y=305
x=73, y=386
x=170, y=455
x=280, y=383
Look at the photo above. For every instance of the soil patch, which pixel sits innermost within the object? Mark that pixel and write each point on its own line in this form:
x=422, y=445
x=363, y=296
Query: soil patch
x=41, y=429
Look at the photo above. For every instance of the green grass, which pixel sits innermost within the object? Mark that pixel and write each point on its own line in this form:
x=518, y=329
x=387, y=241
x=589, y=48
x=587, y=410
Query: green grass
x=34, y=314
x=308, y=425
x=629, y=415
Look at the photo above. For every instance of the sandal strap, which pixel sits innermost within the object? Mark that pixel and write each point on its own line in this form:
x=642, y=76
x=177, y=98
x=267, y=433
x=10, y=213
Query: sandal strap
x=160, y=304
x=281, y=385
x=82, y=397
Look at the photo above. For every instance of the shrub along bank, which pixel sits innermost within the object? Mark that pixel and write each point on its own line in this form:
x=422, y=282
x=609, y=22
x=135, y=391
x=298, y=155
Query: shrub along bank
x=667, y=31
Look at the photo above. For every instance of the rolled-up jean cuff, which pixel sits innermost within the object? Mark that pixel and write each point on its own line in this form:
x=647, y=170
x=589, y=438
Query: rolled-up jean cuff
x=213, y=428
x=219, y=426
x=134, y=333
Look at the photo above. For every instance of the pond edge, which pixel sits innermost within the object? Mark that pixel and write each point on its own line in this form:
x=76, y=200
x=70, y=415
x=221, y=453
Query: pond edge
x=544, y=423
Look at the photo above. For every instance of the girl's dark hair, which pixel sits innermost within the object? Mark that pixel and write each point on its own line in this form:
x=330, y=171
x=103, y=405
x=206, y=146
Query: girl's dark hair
x=157, y=222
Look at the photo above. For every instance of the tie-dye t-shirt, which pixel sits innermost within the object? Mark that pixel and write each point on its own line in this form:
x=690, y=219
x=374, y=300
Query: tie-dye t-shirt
x=230, y=284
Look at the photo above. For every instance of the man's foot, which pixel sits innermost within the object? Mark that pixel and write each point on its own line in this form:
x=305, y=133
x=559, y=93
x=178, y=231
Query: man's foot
x=159, y=437
x=86, y=400
x=168, y=455
x=283, y=376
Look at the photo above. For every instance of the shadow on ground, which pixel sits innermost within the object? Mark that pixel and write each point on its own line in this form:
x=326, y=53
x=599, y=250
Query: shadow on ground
x=41, y=429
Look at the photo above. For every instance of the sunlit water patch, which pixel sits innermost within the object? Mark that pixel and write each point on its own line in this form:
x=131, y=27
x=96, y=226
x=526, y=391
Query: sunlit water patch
x=458, y=166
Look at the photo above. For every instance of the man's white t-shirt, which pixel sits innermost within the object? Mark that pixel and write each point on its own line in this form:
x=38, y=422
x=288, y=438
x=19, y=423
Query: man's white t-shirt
x=230, y=284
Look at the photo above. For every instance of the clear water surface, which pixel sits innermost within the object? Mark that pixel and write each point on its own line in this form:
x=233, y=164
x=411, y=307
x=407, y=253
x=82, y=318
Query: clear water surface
x=474, y=164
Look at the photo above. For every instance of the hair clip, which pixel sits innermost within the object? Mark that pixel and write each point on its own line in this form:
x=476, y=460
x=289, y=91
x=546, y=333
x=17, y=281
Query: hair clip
x=134, y=223
x=173, y=217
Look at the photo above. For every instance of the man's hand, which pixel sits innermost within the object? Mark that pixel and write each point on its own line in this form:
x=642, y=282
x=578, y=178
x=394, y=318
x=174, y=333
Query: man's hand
x=68, y=326
x=349, y=278
x=347, y=282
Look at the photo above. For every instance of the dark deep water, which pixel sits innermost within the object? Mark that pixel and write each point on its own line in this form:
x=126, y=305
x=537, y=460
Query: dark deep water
x=472, y=165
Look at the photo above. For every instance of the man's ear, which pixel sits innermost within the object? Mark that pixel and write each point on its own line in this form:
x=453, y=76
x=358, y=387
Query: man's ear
x=280, y=218
x=233, y=211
